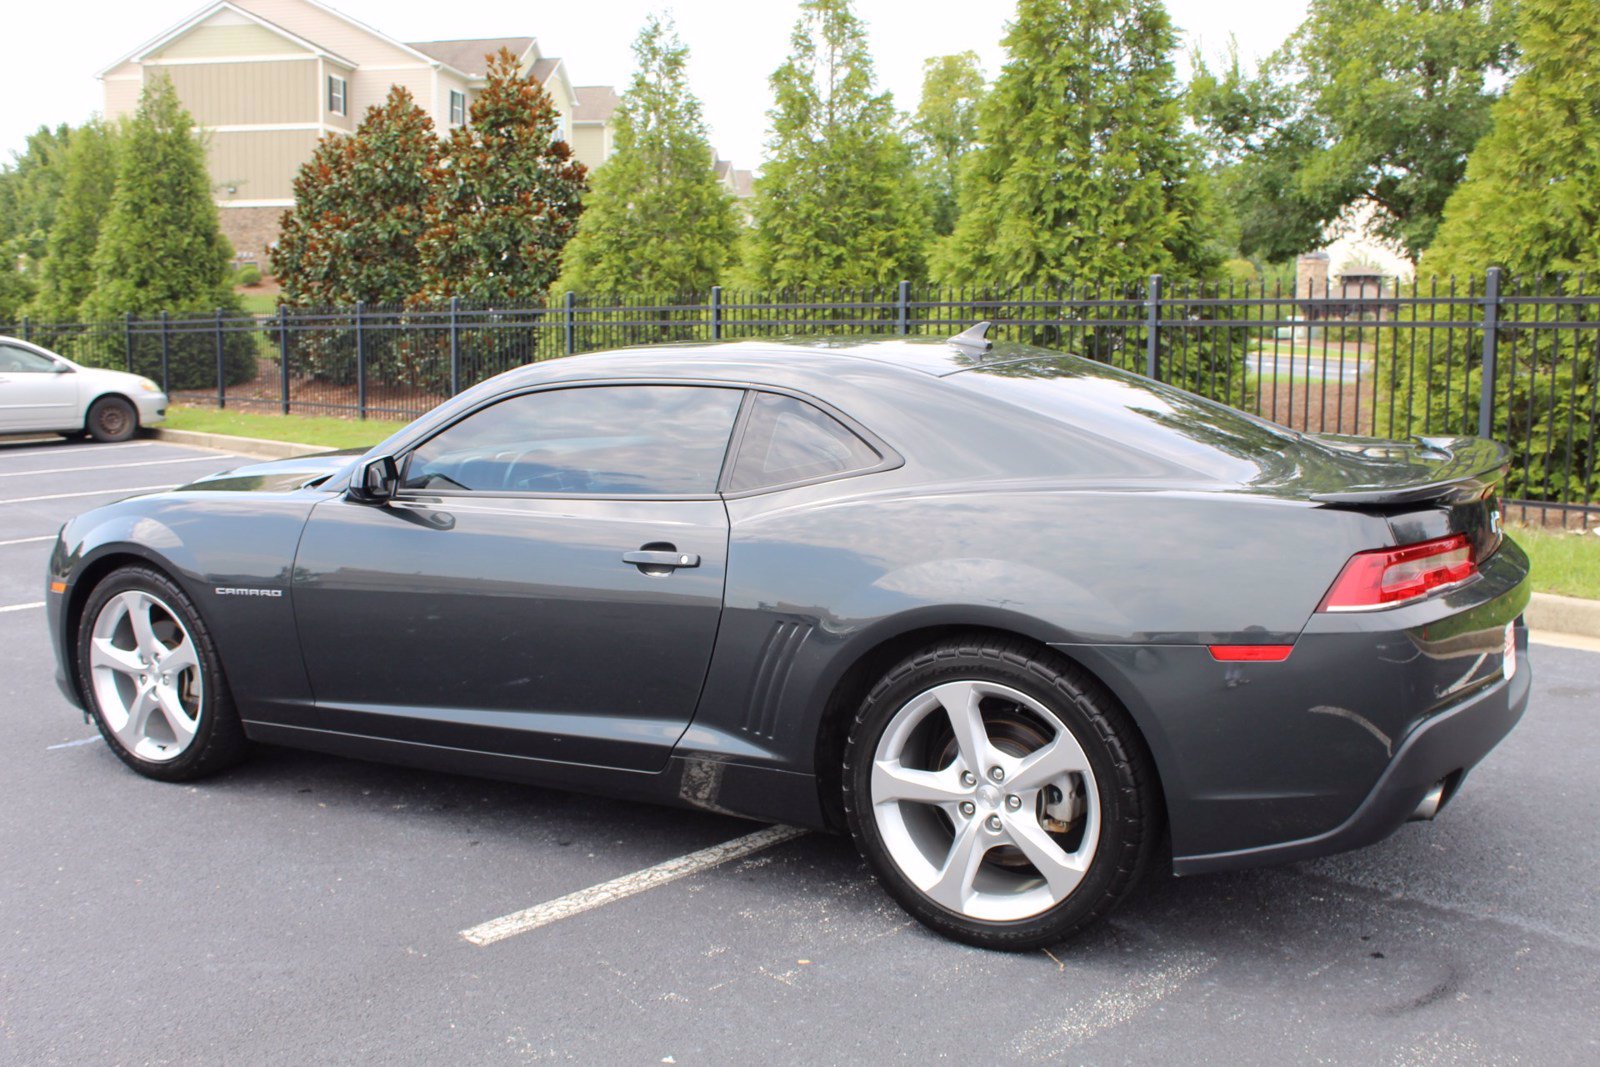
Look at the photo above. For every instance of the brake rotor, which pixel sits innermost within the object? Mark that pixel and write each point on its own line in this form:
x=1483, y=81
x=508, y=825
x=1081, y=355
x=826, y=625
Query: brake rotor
x=1015, y=733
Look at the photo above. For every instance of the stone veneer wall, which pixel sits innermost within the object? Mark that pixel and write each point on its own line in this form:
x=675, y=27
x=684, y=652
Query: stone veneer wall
x=252, y=231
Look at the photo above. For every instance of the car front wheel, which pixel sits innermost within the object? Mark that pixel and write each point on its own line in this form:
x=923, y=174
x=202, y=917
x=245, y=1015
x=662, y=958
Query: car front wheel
x=1000, y=794
x=152, y=680
x=111, y=419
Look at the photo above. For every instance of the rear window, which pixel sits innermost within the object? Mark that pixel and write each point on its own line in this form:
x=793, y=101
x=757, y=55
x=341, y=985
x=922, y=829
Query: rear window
x=1113, y=404
x=787, y=440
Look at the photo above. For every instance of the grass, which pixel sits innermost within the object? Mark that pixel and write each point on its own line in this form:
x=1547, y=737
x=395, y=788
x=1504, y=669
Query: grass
x=256, y=303
x=1565, y=563
x=305, y=429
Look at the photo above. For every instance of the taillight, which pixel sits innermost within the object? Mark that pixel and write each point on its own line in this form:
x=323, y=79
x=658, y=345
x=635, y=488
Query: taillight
x=1385, y=577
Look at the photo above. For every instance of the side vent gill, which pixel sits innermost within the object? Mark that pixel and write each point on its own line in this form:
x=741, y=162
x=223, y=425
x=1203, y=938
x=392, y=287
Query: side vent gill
x=772, y=677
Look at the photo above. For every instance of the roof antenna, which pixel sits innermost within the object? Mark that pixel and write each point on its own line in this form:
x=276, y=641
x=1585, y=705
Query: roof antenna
x=973, y=340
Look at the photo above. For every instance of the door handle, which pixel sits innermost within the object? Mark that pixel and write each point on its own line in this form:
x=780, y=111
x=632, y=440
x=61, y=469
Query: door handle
x=668, y=559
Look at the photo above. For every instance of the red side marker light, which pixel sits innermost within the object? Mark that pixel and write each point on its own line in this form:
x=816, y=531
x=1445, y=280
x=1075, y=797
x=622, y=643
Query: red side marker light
x=1250, y=653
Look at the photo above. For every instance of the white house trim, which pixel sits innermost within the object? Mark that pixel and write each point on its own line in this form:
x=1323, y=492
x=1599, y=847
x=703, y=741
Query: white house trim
x=272, y=127
x=384, y=37
x=190, y=61
x=211, y=9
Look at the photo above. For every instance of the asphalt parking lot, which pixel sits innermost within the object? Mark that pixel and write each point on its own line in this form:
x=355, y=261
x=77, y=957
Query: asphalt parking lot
x=307, y=909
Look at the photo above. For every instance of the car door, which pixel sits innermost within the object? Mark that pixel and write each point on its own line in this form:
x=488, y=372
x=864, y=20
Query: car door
x=546, y=582
x=34, y=394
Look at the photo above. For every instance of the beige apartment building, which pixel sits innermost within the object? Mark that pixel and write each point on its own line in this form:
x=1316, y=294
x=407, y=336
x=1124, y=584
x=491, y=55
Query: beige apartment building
x=266, y=78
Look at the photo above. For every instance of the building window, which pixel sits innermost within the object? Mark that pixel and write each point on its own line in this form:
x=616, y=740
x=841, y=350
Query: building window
x=458, y=108
x=336, y=92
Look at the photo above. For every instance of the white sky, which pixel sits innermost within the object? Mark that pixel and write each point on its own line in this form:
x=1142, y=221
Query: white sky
x=55, y=49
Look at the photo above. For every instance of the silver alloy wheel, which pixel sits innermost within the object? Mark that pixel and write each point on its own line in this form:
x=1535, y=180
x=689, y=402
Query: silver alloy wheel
x=146, y=675
x=940, y=824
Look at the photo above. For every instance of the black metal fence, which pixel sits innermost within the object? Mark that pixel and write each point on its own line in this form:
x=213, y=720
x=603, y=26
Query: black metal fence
x=1515, y=359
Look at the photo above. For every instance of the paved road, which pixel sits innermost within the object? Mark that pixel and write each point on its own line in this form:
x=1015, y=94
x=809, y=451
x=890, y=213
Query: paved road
x=306, y=909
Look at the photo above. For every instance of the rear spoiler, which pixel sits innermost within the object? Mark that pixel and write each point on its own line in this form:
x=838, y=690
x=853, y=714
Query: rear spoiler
x=1447, y=469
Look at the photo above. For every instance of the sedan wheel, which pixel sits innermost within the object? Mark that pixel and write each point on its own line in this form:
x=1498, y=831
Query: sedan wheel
x=112, y=419
x=1003, y=798
x=152, y=678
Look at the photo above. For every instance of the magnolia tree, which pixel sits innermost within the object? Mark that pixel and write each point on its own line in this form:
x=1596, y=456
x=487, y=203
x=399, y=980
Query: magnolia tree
x=360, y=207
x=505, y=197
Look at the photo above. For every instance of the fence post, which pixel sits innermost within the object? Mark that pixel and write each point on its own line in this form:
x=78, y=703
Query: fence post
x=716, y=312
x=455, y=345
x=222, y=376
x=166, y=355
x=27, y=329
x=127, y=339
x=902, y=309
x=1491, y=349
x=571, y=322
x=361, y=363
x=1152, y=321
x=283, y=354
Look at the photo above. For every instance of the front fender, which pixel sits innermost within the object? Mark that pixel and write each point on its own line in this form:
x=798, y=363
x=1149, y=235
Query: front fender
x=209, y=543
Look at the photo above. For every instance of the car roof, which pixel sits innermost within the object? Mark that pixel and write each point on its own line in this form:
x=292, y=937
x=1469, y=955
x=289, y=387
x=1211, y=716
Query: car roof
x=780, y=360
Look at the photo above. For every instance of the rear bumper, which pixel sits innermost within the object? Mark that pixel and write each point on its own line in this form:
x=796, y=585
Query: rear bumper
x=1450, y=743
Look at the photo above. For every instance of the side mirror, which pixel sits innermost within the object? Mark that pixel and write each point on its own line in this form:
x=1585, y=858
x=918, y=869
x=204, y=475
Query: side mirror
x=59, y=368
x=375, y=481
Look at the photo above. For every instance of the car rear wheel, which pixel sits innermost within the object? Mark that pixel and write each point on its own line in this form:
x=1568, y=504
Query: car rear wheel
x=1000, y=794
x=111, y=419
x=150, y=674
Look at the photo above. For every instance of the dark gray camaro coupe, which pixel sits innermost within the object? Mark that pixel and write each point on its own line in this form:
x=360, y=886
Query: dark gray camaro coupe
x=1021, y=622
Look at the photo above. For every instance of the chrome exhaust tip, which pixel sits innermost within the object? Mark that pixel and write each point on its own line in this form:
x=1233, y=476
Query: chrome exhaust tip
x=1432, y=801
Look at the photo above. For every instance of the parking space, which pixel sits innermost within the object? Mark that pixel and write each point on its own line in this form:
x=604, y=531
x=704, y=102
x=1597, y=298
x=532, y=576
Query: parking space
x=310, y=909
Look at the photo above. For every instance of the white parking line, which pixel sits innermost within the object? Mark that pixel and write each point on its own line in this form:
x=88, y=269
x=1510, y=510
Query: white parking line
x=73, y=744
x=27, y=540
x=109, y=466
x=1122, y=1003
x=628, y=885
x=23, y=450
x=126, y=490
x=22, y=607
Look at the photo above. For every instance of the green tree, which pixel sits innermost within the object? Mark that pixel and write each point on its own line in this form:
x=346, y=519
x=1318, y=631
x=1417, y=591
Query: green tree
x=1531, y=198
x=1083, y=169
x=360, y=210
x=1371, y=102
x=945, y=130
x=657, y=220
x=161, y=248
x=837, y=202
x=67, y=275
x=506, y=200
x=30, y=189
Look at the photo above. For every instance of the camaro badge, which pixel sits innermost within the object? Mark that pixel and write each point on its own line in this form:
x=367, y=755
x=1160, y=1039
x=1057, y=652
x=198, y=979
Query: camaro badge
x=224, y=590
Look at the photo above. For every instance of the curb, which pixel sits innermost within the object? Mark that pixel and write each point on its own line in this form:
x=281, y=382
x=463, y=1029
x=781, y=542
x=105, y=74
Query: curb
x=1564, y=614
x=242, y=446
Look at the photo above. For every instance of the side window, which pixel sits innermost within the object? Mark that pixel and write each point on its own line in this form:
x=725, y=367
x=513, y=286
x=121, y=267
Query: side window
x=787, y=440
x=15, y=360
x=633, y=440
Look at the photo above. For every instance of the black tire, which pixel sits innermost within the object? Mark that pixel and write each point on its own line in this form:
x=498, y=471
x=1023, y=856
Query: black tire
x=1131, y=814
x=111, y=419
x=219, y=741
